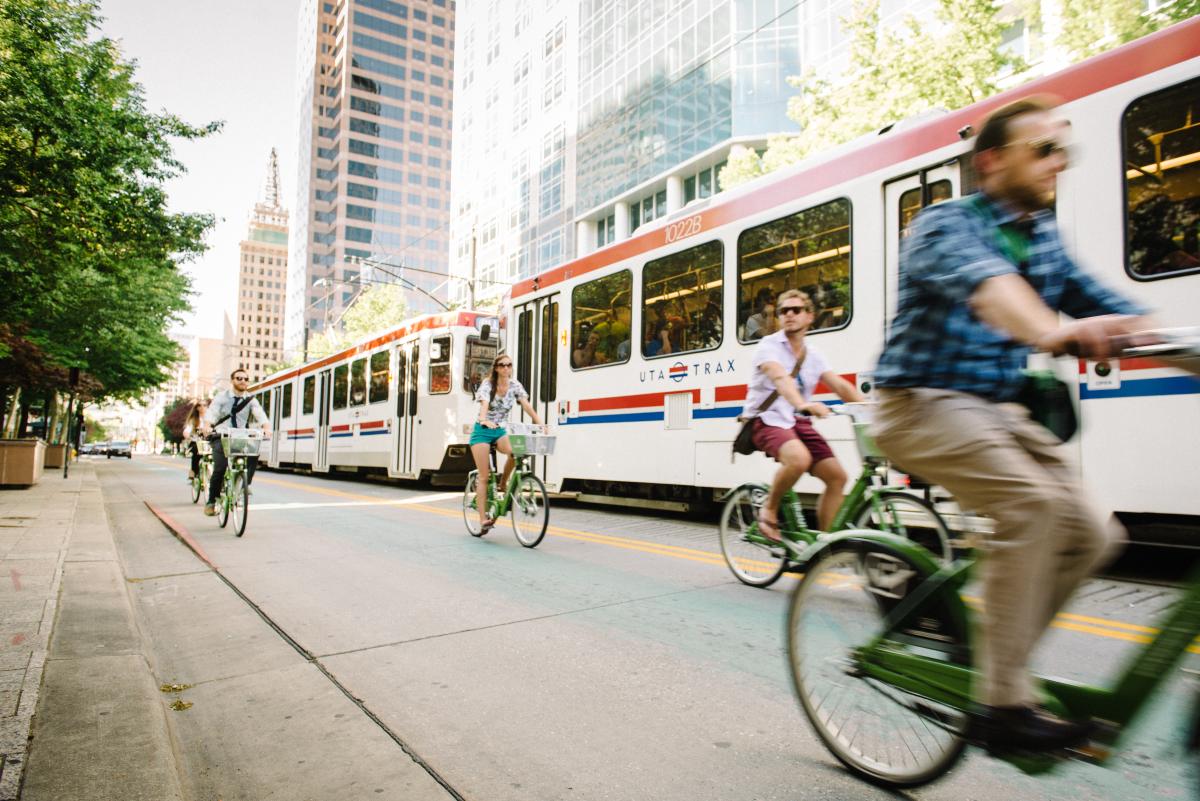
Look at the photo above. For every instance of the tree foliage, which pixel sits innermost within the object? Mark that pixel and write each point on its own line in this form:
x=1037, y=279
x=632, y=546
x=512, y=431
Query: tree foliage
x=89, y=253
x=1093, y=26
x=894, y=73
x=377, y=307
x=174, y=418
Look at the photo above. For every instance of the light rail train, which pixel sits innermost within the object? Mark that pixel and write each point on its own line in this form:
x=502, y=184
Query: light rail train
x=639, y=353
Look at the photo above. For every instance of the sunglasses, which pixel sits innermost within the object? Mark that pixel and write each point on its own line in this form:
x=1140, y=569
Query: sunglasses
x=241, y=378
x=786, y=310
x=1045, y=147
x=504, y=364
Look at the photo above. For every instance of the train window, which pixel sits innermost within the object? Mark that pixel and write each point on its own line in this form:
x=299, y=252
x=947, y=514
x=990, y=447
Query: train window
x=439, y=365
x=340, y=375
x=601, y=311
x=310, y=388
x=681, y=301
x=414, y=369
x=358, y=382
x=380, y=377
x=401, y=380
x=525, y=348
x=1161, y=143
x=287, y=401
x=478, y=364
x=910, y=201
x=548, y=389
x=809, y=251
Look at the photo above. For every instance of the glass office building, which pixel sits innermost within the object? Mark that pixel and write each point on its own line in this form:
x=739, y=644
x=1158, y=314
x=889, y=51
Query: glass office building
x=373, y=189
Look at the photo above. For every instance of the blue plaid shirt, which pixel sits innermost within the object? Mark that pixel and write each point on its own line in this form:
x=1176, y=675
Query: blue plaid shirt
x=936, y=340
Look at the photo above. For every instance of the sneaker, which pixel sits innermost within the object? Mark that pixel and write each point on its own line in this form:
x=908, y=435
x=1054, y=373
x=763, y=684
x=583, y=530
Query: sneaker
x=210, y=509
x=191, y=476
x=1024, y=729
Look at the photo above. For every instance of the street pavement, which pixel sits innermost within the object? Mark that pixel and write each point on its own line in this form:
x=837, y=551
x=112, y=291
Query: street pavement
x=357, y=644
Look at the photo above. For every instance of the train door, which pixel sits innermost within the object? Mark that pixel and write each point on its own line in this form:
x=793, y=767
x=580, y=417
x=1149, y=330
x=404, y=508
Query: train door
x=276, y=428
x=321, y=429
x=405, y=421
x=536, y=359
x=904, y=198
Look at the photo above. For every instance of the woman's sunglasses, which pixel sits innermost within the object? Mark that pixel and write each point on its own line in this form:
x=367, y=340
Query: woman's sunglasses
x=504, y=364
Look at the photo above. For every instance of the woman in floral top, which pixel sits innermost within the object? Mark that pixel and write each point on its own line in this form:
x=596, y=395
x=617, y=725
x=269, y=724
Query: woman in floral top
x=496, y=397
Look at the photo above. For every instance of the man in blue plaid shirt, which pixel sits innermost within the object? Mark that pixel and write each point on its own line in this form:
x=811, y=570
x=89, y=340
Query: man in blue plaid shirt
x=982, y=282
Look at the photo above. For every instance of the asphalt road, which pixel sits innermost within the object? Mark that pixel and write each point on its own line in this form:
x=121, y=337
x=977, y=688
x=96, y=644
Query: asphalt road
x=618, y=660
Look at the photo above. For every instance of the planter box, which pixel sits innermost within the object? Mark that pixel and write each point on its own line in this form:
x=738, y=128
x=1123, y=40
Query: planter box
x=54, y=455
x=21, y=461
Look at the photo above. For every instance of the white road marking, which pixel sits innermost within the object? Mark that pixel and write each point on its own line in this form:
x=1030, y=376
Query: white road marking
x=268, y=507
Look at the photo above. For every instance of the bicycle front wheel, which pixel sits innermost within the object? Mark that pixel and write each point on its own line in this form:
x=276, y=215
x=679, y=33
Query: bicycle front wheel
x=752, y=562
x=530, y=510
x=880, y=732
x=470, y=513
x=908, y=516
x=241, y=505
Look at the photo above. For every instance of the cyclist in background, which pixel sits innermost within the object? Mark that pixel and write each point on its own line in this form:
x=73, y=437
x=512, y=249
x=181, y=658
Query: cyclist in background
x=231, y=408
x=191, y=428
x=496, y=396
x=982, y=282
x=781, y=431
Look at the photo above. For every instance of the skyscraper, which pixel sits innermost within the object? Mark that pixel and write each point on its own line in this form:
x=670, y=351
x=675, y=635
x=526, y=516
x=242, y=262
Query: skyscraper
x=262, y=273
x=372, y=202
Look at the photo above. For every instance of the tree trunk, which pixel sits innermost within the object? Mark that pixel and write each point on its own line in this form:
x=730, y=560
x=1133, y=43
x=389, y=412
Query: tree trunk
x=50, y=416
x=23, y=420
x=3, y=407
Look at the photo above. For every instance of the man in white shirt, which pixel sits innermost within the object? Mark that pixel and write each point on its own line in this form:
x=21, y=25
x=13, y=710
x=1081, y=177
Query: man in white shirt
x=780, y=430
x=231, y=408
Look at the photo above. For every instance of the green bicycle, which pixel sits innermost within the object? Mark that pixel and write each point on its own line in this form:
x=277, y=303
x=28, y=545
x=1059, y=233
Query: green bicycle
x=879, y=646
x=872, y=503
x=199, y=482
x=524, y=499
x=240, y=444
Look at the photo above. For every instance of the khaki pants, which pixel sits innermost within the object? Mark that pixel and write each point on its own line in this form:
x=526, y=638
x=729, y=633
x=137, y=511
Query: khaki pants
x=998, y=462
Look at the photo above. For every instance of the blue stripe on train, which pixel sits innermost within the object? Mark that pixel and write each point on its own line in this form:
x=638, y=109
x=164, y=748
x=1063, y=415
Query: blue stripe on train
x=374, y=432
x=1144, y=387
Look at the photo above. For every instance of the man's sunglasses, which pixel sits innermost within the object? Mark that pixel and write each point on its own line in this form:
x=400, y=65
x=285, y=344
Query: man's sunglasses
x=786, y=310
x=1045, y=147
x=241, y=378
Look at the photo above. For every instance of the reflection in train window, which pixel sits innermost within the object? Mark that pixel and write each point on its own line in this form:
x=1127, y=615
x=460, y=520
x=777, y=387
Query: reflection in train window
x=340, y=375
x=1161, y=135
x=809, y=251
x=910, y=202
x=358, y=382
x=681, y=301
x=380, y=377
x=439, y=365
x=310, y=387
x=287, y=401
x=601, y=311
x=478, y=363
x=525, y=348
x=548, y=375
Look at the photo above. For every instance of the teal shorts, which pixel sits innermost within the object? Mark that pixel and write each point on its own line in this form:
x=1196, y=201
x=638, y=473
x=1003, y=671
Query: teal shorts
x=485, y=436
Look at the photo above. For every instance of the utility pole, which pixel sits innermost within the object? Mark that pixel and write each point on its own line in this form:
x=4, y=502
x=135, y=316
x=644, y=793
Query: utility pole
x=471, y=283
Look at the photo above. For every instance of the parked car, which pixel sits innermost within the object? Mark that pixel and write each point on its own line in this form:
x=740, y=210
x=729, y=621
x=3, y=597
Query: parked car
x=119, y=449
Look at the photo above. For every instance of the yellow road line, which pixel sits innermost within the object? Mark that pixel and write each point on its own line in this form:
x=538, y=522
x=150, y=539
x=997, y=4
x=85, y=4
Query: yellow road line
x=1112, y=629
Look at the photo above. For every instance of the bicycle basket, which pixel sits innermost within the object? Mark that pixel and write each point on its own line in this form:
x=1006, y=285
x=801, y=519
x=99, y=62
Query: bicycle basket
x=203, y=447
x=241, y=442
x=531, y=444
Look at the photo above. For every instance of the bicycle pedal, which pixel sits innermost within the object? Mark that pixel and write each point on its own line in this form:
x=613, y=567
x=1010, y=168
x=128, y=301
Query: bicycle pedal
x=1092, y=753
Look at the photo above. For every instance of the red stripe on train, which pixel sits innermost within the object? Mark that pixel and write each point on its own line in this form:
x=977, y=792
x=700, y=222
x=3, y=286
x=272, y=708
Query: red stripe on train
x=373, y=424
x=630, y=401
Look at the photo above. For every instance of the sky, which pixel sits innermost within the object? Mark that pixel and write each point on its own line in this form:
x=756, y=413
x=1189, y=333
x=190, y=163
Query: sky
x=230, y=60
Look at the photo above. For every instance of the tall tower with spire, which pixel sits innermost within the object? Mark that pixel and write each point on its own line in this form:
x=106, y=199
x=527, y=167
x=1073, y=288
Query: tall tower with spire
x=262, y=280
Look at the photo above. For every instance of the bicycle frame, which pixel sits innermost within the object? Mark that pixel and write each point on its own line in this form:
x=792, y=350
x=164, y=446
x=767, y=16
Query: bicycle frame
x=949, y=681
x=501, y=502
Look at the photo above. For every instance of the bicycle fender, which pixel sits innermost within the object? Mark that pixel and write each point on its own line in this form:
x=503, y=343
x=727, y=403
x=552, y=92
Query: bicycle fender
x=851, y=539
x=748, y=485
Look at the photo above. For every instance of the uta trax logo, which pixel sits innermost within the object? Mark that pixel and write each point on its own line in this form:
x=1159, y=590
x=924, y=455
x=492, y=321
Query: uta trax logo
x=678, y=372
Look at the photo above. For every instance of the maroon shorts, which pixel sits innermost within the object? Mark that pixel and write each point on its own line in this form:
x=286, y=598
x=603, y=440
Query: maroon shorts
x=770, y=439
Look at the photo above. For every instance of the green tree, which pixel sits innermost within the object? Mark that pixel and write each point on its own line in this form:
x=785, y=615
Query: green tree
x=377, y=307
x=950, y=62
x=174, y=418
x=96, y=432
x=1093, y=26
x=89, y=253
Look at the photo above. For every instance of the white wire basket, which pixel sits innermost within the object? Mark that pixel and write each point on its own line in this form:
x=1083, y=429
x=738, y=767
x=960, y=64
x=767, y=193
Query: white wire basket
x=241, y=441
x=203, y=447
x=530, y=440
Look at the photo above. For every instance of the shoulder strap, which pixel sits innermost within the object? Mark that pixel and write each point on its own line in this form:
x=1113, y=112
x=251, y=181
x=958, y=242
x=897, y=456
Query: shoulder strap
x=1010, y=241
x=238, y=405
x=762, y=407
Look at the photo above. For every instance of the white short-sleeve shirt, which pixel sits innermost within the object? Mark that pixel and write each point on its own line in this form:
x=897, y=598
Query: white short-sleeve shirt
x=775, y=348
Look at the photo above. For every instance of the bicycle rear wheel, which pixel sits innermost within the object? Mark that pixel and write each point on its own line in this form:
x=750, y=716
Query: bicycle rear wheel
x=881, y=733
x=752, y=562
x=241, y=505
x=196, y=482
x=470, y=513
x=530, y=510
x=911, y=517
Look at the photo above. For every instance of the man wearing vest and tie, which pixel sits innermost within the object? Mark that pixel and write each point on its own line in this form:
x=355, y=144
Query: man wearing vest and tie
x=231, y=408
